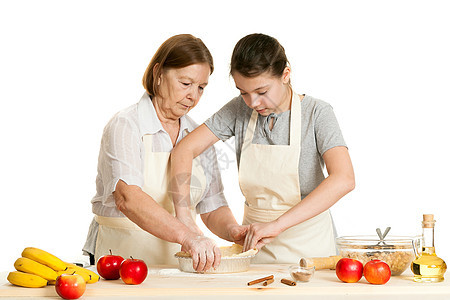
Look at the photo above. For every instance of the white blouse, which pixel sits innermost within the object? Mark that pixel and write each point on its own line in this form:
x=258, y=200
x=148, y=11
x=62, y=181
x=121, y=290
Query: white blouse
x=121, y=158
x=122, y=152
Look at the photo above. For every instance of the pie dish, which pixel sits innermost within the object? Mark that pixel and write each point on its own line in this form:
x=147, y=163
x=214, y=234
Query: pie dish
x=233, y=260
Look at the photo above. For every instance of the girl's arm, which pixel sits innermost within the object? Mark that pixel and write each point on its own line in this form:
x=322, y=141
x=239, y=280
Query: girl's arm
x=181, y=167
x=341, y=180
x=220, y=221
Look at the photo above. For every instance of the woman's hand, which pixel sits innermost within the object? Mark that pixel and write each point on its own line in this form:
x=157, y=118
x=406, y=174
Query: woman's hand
x=260, y=234
x=204, y=252
x=237, y=233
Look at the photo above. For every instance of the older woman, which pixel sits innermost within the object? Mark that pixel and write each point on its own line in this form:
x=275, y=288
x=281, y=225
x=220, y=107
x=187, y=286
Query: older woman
x=134, y=214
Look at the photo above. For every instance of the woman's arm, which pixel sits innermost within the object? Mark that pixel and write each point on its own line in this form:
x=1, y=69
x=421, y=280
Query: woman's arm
x=341, y=180
x=143, y=210
x=181, y=167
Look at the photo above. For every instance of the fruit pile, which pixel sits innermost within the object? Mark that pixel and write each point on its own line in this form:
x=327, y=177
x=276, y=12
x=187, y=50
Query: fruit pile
x=38, y=268
x=351, y=270
x=131, y=271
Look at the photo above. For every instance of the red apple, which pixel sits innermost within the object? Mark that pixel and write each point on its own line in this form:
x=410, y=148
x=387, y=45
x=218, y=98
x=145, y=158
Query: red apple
x=70, y=286
x=377, y=272
x=108, y=266
x=349, y=270
x=133, y=271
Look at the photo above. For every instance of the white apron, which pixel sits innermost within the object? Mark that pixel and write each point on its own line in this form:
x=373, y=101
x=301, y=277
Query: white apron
x=124, y=237
x=269, y=180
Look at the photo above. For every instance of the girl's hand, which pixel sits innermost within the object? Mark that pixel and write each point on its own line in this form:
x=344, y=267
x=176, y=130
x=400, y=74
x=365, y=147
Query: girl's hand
x=260, y=234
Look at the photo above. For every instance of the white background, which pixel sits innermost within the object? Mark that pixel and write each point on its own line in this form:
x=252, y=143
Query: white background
x=67, y=66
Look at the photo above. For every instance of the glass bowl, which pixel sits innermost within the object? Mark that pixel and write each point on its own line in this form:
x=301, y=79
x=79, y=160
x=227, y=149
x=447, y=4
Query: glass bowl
x=396, y=251
x=301, y=274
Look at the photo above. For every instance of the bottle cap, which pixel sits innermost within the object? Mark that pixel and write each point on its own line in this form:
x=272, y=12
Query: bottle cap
x=428, y=221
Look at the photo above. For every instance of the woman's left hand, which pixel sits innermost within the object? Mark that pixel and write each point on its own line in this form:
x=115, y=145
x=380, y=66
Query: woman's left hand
x=260, y=234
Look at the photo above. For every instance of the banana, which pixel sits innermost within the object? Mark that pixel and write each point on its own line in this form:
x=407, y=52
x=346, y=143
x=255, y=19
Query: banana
x=93, y=277
x=44, y=258
x=26, y=280
x=83, y=274
x=32, y=267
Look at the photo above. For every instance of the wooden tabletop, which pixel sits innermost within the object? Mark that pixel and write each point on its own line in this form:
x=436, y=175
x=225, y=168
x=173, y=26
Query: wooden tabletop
x=167, y=282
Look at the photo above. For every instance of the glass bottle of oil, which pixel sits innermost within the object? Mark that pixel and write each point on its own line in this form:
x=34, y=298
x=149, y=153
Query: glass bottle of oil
x=428, y=267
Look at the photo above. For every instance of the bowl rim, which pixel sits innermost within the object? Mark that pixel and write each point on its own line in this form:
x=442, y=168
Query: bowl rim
x=376, y=239
x=292, y=267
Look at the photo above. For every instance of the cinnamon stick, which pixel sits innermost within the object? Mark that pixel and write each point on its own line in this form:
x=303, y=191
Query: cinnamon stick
x=288, y=282
x=260, y=280
x=267, y=282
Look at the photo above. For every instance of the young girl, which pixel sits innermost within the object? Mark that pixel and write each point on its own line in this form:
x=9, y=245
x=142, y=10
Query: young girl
x=283, y=140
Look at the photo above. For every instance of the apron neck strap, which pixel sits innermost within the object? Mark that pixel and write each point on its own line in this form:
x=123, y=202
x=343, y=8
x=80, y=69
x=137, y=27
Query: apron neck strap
x=295, y=132
x=148, y=142
x=295, y=123
x=249, y=133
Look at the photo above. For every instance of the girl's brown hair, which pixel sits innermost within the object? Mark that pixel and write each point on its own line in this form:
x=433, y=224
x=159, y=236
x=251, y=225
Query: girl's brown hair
x=256, y=54
x=177, y=52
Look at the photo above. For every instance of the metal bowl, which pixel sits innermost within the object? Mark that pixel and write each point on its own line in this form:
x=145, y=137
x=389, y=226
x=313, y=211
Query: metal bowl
x=227, y=264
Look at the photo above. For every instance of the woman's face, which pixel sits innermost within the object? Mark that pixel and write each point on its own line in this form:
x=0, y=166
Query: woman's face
x=265, y=93
x=181, y=89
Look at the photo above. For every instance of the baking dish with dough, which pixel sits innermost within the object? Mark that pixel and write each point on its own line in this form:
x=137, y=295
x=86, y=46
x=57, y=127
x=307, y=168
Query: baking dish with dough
x=233, y=260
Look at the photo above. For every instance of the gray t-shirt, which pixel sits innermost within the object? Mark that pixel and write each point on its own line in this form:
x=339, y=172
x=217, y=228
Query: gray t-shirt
x=320, y=132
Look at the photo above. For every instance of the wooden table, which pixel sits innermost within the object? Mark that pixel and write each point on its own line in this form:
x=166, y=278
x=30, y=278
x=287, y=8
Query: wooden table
x=166, y=282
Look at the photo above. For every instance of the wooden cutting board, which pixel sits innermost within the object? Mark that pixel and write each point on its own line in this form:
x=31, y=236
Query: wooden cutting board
x=169, y=283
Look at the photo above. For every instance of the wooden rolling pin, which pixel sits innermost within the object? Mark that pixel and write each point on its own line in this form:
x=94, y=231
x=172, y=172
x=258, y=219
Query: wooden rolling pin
x=321, y=263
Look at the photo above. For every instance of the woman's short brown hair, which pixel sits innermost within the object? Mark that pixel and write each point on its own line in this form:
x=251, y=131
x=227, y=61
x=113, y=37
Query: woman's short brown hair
x=256, y=54
x=176, y=52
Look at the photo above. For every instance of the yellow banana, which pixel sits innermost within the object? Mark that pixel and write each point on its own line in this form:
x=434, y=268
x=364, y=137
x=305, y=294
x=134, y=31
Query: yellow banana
x=83, y=274
x=93, y=277
x=44, y=258
x=32, y=267
x=26, y=280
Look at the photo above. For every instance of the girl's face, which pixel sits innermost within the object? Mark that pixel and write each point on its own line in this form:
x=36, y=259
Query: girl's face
x=265, y=93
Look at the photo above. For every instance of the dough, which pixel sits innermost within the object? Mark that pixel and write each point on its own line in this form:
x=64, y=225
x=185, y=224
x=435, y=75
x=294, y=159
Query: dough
x=234, y=250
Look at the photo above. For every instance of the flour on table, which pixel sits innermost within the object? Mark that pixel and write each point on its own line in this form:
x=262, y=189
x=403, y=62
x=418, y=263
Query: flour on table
x=178, y=273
